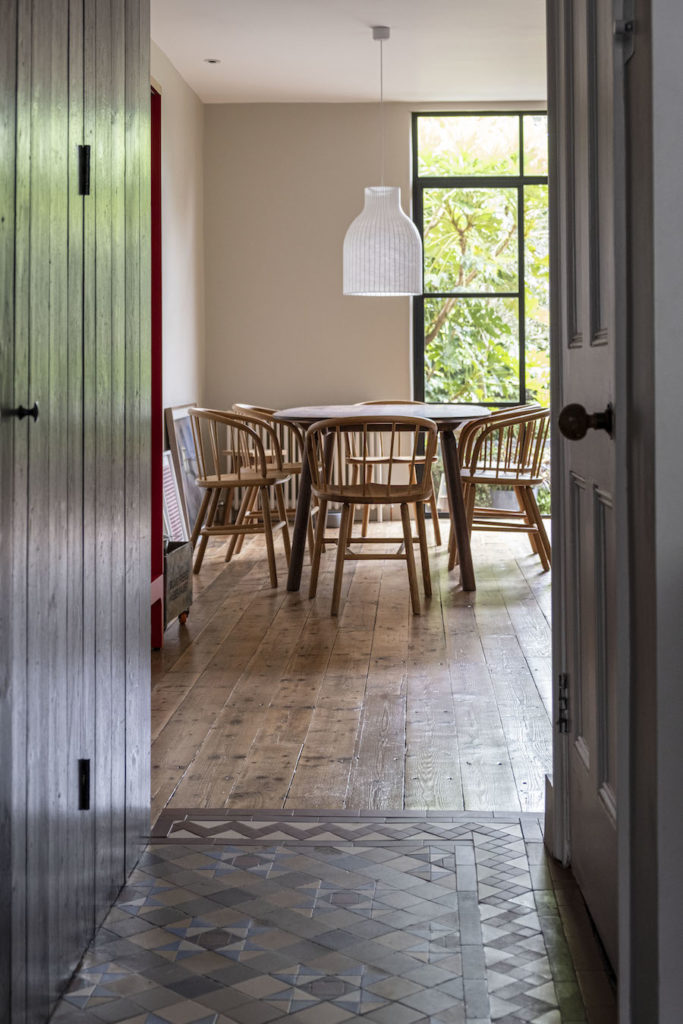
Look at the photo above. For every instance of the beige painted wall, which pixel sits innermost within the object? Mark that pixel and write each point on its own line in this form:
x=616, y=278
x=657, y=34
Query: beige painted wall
x=282, y=184
x=182, y=206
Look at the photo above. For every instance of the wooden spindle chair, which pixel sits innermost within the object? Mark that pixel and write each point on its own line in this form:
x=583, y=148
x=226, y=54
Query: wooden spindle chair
x=291, y=439
x=507, y=450
x=231, y=456
x=403, y=481
x=378, y=459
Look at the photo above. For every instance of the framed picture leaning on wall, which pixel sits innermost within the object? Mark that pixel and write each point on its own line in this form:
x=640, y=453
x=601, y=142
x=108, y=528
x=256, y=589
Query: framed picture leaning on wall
x=175, y=527
x=184, y=455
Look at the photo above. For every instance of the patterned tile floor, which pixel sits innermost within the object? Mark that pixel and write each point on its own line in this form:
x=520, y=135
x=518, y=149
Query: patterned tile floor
x=322, y=918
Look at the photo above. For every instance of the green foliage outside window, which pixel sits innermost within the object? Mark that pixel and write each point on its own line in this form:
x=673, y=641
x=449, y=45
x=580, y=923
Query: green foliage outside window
x=471, y=345
x=471, y=245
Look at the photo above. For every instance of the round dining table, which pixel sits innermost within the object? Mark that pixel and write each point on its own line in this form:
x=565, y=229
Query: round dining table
x=447, y=419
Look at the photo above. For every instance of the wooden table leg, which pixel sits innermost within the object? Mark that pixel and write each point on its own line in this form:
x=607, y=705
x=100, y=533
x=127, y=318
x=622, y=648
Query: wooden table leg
x=451, y=465
x=303, y=511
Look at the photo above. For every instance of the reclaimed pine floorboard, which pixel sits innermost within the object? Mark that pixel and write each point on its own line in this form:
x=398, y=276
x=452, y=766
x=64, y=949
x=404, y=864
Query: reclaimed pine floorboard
x=264, y=700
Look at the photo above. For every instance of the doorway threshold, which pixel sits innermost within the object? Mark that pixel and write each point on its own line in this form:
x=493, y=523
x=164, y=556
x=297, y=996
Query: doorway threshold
x=322, y=917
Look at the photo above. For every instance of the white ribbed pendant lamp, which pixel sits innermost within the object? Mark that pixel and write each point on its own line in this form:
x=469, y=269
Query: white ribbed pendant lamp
x=382, y=247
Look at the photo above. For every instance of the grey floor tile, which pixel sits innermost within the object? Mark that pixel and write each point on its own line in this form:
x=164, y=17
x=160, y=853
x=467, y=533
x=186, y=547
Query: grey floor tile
x=429, y=1001
x=190, y=988
x=255, y=1012
x=223, y=999
x=452, y=1015
x=115, y=1011
x=403, y=931
x=455, y=988
x=396, y=1014
x=155, y=998
x=476, y=998
x=429, y=976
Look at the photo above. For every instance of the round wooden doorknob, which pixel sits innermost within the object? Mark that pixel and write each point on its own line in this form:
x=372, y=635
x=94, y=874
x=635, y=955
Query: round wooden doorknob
x=574, y=422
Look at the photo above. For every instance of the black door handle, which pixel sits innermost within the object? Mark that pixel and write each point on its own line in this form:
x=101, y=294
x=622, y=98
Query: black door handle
x=574, y=422
x=21, y=412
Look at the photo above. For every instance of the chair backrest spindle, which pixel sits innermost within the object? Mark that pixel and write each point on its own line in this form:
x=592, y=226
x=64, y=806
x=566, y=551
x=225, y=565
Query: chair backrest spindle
x=348, y=445
x=509, y=443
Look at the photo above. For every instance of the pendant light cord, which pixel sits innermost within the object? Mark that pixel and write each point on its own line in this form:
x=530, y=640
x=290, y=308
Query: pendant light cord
x=381, y=104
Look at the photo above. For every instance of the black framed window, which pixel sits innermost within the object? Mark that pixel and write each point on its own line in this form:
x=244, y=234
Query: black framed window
x=480, y=202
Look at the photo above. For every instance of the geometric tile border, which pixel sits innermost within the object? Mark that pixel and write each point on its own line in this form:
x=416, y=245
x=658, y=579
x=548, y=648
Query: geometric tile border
x=333, y=826
x=321, y=918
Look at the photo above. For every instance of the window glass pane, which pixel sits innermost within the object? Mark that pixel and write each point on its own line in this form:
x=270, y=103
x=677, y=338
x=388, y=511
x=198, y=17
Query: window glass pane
x=470, y=239
x=471, y=350
x=535, y=144
x=537, y=293
x=483, y=144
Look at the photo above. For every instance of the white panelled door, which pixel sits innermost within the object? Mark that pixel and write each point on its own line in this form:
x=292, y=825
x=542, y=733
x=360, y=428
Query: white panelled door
x=586, y=60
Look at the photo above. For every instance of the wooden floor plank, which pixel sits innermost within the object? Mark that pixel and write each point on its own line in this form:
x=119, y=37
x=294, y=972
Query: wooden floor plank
x=542, y=671
x=529, y=747
x=432, y=765
x=265, y=700
x=346, y=675
x=376, y=780
x=167, y=696
x=254, y=657
x=487, y=776
x=322, y=775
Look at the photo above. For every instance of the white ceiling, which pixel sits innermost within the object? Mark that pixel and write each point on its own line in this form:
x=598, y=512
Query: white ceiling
x=303, y=51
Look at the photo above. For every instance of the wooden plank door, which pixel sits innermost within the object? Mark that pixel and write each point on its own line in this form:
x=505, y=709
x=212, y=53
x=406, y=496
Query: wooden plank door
x=116, y=420
x=52, y=715
x=586, y=105
x=10, y=632
x=104, y=423
x=74, y=273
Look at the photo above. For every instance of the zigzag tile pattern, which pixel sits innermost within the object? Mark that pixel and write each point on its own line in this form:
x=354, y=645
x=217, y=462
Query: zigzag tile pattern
x=396, y=921
x=191, y=827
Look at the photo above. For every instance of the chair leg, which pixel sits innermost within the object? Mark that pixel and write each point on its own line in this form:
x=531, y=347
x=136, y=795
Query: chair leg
x=529, y=503
x=268, y=530
x=215, y=495
x=410, y=558
x=470, y=498
x=251, y=505
x=282, y=509
x=245, y=506
x=227, y=504
x=317, y=547
x=435, y=515
x=468, y=502
x=424, y=550
x=543, y=539
x=341, y=553
x=310, y=536
x=533, y=537
x=200, y=516
x=452, y=548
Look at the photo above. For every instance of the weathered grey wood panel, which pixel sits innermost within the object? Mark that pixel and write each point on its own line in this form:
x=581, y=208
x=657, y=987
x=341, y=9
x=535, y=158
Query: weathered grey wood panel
x=99, y=355
x=18, y=602
x=41, y=265
x=8, y=65
x=75, y=560
x=81, y=708
x=51, y=577
x=137, y=426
